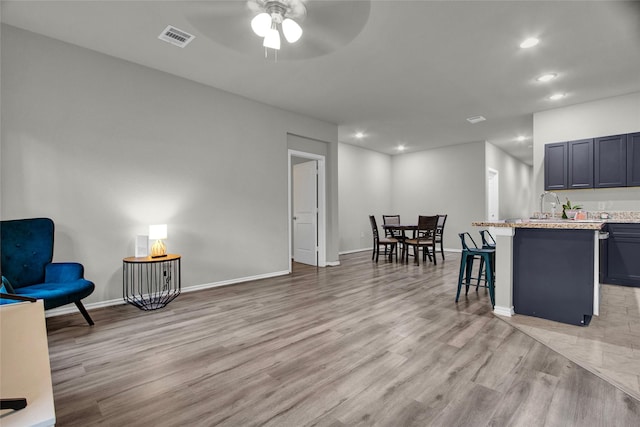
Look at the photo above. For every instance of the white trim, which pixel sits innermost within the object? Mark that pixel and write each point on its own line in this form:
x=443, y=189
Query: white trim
x=503, y=311
x=333, y=263
x=596, y=273
x=353, y=251
x=234, y=281
x=502, y=231
x=322, y=203
x=492, y=172
x=94, y=305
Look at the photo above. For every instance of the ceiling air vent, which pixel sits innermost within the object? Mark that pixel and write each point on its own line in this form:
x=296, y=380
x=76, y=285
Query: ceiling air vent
x=176, y=37
x=476, y=119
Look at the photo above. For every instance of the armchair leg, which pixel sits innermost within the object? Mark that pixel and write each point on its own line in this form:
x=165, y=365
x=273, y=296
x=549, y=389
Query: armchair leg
x=84, y=312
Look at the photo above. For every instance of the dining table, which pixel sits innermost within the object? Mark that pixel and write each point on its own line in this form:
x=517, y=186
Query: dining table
x=403, y=228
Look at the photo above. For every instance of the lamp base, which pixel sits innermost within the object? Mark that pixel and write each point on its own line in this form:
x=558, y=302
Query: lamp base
x=158, y=249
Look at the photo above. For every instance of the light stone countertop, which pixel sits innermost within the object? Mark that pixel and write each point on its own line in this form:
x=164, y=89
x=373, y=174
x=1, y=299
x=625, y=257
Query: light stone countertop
x=567, y=224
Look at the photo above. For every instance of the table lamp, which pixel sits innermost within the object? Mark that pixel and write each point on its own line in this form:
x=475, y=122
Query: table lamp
x=157, y=233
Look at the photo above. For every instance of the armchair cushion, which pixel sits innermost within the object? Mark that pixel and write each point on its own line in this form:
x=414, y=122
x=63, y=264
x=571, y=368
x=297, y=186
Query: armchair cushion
x=63, y=272
x=6, y=286
x=56, y=294
x=27, y=245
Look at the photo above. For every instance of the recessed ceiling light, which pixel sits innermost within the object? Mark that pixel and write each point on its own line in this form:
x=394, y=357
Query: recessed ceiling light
x=476, y=119
x=359, y=135
x=547, y=77
x=530, y=42
x=521, y=138
x=557, y=96
x=401, y=147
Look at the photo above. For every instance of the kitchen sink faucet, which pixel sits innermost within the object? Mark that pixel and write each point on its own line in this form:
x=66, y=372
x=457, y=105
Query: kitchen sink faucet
x=555, y=202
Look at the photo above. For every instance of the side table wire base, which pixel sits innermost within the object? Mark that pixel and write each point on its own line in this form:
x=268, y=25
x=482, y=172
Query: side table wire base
x=151, y=283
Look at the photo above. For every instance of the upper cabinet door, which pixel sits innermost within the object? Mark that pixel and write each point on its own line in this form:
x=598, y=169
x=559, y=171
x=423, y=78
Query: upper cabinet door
x=610, y=168
x=555, y=166
x=580, y=173
x=633, y=159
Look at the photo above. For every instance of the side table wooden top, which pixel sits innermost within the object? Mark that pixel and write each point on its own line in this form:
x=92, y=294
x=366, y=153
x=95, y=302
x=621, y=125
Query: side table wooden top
x=146, y=259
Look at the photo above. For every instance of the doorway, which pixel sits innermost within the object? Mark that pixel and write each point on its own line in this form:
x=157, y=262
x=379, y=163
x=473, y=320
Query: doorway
x=307, y=209
x=493, y=193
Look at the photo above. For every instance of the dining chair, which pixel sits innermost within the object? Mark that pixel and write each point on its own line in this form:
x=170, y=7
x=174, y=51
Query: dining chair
x=391, y=233
x=389, y=243
x=442, y=219
x=424, y=237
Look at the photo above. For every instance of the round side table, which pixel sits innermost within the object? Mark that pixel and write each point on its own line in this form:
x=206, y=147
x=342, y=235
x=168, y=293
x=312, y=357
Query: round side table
x=151, y=283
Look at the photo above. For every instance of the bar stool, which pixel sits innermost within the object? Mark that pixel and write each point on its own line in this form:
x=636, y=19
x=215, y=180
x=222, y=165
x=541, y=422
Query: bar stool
x=488, y=242
x=469, y=254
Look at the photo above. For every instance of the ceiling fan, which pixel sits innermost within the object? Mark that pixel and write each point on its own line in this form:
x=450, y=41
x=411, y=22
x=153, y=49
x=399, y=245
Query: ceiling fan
x=273, y=15
x=326, y=25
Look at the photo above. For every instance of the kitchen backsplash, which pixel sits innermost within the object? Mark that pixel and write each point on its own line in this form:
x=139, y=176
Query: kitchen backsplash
x=620, y=215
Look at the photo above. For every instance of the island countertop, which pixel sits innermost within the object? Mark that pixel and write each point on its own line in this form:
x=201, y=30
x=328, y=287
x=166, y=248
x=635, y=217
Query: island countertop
x=569, y=224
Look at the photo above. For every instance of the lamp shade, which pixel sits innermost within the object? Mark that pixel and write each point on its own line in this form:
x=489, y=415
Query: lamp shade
x=261, y=23
x=272, y=39
x=158, y=232
x=291, y=29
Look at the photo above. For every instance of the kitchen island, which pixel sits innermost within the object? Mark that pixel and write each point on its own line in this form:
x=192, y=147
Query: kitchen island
x=547, y=268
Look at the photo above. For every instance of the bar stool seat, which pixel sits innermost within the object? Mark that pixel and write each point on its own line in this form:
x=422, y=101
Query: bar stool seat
x=486, y=257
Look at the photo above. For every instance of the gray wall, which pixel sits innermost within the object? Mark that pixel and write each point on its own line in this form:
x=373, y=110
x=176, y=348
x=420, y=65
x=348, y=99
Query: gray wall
x=365, y=189
x=610, y=116
x=448, y=180
x=515, y=183
x=106, y=147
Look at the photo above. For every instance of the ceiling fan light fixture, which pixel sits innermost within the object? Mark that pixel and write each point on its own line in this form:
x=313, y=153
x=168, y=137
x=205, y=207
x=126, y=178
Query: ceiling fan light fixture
x=272, y=39
x=292, y=31
x=261, y=24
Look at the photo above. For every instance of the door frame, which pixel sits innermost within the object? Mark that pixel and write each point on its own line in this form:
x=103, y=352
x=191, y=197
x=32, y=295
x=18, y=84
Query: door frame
x=322, y=246
x=493, y=174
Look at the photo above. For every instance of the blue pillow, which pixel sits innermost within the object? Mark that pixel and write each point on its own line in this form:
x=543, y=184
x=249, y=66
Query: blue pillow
x=6, y=287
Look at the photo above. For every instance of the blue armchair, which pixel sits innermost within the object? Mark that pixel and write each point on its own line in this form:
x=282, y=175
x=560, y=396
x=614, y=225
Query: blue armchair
x=27, y=270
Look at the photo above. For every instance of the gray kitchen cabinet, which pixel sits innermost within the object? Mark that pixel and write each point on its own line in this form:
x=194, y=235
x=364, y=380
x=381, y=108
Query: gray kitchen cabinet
x=603, y=162
x=621, y=255
x=633, y=159
x=610, y=161
x=580, y=167
x=555, y=166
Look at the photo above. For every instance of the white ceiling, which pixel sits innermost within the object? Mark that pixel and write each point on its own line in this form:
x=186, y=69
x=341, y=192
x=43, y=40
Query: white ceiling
x=402, y=72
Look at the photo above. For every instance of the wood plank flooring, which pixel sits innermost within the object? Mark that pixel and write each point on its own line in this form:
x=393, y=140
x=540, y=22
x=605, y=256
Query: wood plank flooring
x=361, y=344
x=609, y=347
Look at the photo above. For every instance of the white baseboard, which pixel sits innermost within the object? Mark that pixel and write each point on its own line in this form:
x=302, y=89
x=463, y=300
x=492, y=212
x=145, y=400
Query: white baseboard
x=503, y=311
x=353, y=251
x=71, y=308
x=234, y=281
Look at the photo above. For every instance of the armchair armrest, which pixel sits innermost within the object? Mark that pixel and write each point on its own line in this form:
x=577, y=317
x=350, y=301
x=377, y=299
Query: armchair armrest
x=61, y=272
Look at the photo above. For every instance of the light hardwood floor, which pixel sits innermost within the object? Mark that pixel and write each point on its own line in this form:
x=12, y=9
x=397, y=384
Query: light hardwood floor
x=608, y=347
x=359, y=344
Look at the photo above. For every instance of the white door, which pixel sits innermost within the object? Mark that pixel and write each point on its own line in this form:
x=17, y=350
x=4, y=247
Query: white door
x=305, y=213
x=493, y=187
